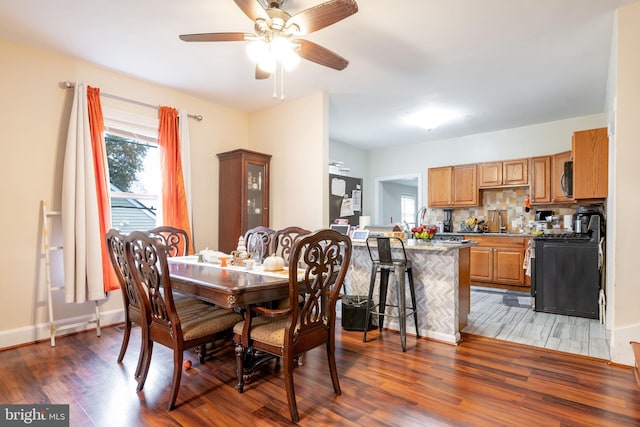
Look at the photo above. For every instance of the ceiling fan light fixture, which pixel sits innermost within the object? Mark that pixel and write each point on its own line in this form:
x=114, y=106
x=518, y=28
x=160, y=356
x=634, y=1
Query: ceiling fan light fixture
x=268, y=64
x=284, y=52
x=275, y=44
x=290, y=60
x=257, y=50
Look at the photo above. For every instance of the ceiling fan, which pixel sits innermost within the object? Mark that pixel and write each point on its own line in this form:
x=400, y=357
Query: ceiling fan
x=276, y=33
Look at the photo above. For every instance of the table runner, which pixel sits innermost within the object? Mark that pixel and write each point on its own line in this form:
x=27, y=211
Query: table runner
x=257, y=269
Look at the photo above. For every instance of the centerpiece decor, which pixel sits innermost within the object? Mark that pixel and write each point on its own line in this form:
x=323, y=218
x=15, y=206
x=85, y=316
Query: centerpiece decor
x=423, y=233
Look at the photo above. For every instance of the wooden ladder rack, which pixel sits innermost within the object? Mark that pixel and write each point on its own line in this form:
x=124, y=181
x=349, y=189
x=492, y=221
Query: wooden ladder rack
x=58, y=325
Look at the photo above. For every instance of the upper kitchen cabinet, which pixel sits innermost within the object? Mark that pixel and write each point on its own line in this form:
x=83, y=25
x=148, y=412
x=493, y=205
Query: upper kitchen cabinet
x=540, y=182
x=453, y=186
x=590, y=150
x=547, y=179
x=558, y=180
x=510, y=173
x=440, y=186
x=243, y=191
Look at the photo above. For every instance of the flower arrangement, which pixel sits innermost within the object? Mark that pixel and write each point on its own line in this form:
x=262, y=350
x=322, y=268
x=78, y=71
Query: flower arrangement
x=423, y=233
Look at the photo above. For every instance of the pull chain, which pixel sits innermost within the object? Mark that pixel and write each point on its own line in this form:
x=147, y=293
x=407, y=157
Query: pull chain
x=275, y=82
x=281, y=82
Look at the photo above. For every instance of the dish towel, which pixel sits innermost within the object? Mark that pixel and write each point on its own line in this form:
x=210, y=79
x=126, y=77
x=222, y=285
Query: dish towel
x=601, y=253
x=526, y=264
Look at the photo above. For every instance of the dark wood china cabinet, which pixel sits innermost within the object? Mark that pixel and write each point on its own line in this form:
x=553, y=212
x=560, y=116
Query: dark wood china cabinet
x=243, y=190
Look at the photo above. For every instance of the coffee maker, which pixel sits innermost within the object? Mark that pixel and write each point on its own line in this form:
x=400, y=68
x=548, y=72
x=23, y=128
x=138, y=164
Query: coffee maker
x=588, y=219
x=447, y=224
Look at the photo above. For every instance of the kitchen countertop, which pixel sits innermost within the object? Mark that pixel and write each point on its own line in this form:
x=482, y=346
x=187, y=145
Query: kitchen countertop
x=470, y=233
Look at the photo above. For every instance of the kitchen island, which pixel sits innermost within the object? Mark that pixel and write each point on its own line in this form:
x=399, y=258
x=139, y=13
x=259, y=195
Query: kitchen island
x=441, y=281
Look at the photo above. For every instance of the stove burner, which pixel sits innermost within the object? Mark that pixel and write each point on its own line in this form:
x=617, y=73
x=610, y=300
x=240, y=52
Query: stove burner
x=564, y=236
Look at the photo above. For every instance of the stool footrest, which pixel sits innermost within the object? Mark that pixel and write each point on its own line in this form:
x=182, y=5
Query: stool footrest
x=378, y=313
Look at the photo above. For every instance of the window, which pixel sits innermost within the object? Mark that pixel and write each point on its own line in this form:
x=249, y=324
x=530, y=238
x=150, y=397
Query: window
x=408, y=209
x=134, y=172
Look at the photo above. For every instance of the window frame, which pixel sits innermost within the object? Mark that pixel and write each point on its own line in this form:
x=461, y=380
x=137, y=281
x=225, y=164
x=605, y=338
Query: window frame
x=143, y=129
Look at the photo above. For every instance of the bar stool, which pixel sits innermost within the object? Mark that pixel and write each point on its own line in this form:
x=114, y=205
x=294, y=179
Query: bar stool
x=384, y=263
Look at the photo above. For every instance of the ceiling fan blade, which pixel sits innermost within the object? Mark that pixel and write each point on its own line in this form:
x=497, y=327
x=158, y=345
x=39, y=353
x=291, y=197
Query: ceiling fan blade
x=253, y=9
x=261, y=74
x=321, y=55
x=215, y=37
x=323, y=15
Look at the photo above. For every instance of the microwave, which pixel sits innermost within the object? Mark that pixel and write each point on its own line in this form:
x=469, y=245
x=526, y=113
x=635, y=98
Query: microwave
x=566, y=180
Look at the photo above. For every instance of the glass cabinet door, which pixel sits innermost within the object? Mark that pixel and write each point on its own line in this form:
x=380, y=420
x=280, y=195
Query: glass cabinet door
x=256, y=176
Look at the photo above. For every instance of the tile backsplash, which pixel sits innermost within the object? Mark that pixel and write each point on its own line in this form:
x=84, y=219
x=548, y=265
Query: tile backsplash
x=511, y=200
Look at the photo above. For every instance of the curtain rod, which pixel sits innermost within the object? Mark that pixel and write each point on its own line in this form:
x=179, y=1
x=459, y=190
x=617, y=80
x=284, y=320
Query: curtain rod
x=69, y=85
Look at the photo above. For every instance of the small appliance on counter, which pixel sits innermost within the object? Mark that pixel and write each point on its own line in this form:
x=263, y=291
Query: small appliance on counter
x=448, y=221
x=584, y=220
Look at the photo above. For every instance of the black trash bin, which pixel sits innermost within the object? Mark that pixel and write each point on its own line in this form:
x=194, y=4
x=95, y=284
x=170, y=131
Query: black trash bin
x=354, y=312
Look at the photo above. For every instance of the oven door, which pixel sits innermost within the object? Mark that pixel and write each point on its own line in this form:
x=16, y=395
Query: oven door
x=566, y=277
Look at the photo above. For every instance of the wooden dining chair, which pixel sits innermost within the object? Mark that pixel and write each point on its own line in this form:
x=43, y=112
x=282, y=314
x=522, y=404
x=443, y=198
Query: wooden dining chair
x=290, y=332
x=282, y=245
x=176, y=240
x=258, y=241
x=285, y=239
x=132, y=302
x=177, y=326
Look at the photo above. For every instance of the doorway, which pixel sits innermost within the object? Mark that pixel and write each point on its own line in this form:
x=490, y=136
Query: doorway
x=389, y=194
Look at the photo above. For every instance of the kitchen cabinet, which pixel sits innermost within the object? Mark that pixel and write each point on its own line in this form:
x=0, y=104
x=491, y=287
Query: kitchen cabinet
x=540, y=180
x=440, y=186
x=590, y=149
x=243, y=195
x=546, y=178
x=557, y=171
x=453, y=186
x=509, y=173
x=497, y=261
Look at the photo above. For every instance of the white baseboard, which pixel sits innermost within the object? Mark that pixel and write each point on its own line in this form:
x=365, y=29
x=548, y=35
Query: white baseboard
x=621, y=351
x=34, y=333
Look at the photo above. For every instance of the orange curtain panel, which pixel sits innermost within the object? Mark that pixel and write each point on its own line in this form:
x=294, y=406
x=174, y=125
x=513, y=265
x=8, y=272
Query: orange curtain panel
x=174, y=200
x=96, y=126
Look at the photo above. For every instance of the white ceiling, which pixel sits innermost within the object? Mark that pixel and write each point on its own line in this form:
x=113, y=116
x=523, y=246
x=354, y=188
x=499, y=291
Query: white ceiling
x=503, y=63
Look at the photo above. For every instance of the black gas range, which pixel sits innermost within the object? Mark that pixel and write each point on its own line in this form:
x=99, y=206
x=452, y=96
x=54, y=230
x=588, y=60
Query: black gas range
x=566, y=273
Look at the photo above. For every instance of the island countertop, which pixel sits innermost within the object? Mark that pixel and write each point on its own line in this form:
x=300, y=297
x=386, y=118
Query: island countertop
x=441, y=279
x=431, y=245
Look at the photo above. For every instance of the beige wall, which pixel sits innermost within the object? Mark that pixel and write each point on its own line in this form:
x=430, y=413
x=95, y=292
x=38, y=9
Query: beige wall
x=33, y=122
x=296, y=134
x=623, y=244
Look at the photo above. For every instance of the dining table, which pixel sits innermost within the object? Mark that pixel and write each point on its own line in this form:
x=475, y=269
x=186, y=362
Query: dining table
x=232, y=287
x=235, y=288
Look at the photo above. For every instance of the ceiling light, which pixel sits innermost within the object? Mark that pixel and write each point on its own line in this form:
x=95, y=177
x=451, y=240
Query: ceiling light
x=432, y=117
x=272, y=51
x=269, y=54
x=257, y=50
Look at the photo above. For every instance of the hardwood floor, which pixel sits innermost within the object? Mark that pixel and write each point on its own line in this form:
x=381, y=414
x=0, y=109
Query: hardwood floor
x=481, y=382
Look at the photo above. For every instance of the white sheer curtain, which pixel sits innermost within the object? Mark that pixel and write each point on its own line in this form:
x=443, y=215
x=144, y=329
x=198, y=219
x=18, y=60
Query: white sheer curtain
x=185, y=155
x=80, y=216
